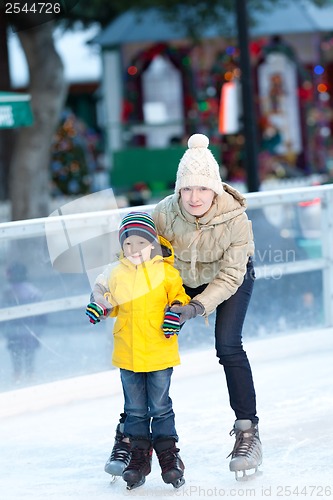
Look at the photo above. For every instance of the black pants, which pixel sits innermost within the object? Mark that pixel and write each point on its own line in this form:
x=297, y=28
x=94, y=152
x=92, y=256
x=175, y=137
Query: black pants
x=230, y=316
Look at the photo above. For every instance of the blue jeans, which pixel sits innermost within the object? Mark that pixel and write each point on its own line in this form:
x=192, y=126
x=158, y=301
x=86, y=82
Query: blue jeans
x=230, y=316
x=148, y=405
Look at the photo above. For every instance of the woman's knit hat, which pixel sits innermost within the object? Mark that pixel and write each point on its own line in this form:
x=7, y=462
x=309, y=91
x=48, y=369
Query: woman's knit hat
x=198, y=166
x=139, y=224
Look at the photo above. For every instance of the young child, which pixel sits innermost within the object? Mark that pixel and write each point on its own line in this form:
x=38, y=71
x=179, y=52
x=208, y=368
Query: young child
x=140, y=291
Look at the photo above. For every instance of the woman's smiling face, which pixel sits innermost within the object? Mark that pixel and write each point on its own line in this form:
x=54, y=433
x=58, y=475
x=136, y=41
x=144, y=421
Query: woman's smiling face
x=197, y=200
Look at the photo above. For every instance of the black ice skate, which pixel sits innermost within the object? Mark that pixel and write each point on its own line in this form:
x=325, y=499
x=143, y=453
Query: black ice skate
x=171, y=464
x=247, y=453
x=120, y=455
x=140, y=463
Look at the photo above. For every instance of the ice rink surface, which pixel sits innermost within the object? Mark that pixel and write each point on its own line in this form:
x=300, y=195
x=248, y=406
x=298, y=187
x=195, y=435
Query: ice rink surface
x=56, y=437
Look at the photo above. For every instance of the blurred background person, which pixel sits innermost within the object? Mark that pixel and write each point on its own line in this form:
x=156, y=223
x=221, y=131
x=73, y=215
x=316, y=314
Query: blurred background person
x=22, y=334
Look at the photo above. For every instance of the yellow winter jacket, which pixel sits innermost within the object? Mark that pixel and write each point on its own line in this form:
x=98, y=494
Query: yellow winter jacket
x=139, y=295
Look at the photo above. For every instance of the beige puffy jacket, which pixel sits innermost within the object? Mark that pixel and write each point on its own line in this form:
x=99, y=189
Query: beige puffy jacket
x=213, y=249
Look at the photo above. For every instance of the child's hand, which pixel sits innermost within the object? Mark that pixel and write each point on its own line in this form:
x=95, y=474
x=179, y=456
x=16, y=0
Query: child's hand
x=96, y=312
x=171, y=323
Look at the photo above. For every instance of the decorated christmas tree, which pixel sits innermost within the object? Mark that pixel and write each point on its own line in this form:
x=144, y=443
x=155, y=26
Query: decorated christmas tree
x=73, y=159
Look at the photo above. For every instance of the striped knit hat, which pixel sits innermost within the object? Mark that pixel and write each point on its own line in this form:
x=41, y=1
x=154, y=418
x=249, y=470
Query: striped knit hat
x=139, y=224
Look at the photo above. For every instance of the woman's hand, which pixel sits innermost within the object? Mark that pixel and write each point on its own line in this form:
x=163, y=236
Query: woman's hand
x=193, y=309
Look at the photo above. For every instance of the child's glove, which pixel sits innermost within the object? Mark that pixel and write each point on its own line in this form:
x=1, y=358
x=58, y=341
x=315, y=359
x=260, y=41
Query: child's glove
x=191, y=310
x=96, y=311
x=171, y=323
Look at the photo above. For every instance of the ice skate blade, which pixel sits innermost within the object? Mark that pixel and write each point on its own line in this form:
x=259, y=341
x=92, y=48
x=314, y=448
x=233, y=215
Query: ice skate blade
x=178, y=483
x=136, y=485
x=247, y=475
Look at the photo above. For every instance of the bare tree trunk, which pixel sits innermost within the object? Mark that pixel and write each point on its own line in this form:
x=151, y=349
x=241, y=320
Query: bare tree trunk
x=29, y=173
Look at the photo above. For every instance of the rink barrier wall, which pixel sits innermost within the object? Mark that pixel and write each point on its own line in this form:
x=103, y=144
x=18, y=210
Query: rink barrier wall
x=259, y=200
x=202, y=363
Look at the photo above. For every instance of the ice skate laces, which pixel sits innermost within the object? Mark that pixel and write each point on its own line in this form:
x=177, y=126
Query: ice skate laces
x=139, y=458
x=245, y=442
x=121, y=449
x=168, y=459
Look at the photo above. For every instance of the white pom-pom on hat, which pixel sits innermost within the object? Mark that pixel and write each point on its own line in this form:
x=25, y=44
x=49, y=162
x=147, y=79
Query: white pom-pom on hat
x=198, y=141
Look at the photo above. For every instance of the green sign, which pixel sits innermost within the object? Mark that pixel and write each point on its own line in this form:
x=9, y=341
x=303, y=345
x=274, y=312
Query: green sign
x=15, y=110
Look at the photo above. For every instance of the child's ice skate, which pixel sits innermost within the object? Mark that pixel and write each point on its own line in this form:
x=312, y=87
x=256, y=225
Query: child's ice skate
x=120, y=455
x=247, y=453
x=140, y=464
x=171, y=464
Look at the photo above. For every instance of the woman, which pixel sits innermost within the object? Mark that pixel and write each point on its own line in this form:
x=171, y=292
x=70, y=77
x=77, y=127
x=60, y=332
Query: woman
x=206, y=223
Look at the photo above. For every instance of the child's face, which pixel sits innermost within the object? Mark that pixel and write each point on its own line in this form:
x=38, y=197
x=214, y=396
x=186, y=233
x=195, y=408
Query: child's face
x=137, y=249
